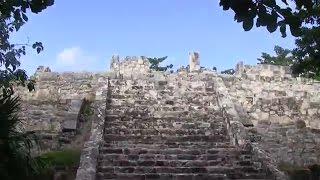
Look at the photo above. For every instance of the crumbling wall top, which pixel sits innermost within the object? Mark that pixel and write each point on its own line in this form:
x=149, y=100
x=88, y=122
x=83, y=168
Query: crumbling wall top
x=262, y=70
x=129, y=65
x=194, y=62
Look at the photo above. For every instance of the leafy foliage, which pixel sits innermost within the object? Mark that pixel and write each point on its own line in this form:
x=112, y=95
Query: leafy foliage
x=228, y=71
x=304, y=59
x=15, y=144
x=303, y=21
x=307, y=53
x=12, y=17
x=282, y=57
x=155, y=64
x=273, y=15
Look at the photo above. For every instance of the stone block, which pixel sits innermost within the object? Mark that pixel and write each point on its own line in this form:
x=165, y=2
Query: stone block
x=70, y=122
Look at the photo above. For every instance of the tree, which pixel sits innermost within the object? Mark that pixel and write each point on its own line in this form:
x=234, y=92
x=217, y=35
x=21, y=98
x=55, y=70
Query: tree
x=303, y=21
x=307, y=53
x=155, y=64
x=15, y=145
x=282, y=57
x=272, y=14
x=12, y=17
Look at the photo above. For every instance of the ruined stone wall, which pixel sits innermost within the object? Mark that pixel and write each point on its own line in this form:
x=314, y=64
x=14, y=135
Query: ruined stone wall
x=276, y=103
x=57, y=98
x=276, y=100
x=264, y=96
x=53, y=109
x=263, y=71
x=129, y=66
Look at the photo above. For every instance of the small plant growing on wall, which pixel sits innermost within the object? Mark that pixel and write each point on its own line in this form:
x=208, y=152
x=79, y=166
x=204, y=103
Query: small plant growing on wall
x=155, y=64
x=228, y=71
x=88, y=111
x=86, y=108
x=300, y=124
x=31, y=85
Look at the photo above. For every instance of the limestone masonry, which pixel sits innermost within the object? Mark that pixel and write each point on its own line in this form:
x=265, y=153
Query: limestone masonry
x=193, y=124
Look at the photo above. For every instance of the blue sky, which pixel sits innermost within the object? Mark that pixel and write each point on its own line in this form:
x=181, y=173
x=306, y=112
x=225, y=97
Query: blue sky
x=78, y=35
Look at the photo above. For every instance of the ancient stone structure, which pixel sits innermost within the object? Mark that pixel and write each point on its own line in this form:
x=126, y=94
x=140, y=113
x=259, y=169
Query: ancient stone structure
x=129, y=66
x=194, y=62
x=194, y=124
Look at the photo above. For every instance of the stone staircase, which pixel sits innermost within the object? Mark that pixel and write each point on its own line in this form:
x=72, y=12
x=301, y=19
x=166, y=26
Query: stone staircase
x=156, y=130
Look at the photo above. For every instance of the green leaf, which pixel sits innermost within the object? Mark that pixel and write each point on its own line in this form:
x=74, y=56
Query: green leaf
x=295, y=31
x=225, y=4
x=272, y=27
x=270, y=3
x=283, y=31
x=247, y=24
x=258, y=23
x=24, y=16
x=285, y=2
x=39, y=50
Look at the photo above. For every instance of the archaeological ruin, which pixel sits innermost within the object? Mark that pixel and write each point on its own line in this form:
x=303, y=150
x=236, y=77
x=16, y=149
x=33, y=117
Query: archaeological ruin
x=132, y=123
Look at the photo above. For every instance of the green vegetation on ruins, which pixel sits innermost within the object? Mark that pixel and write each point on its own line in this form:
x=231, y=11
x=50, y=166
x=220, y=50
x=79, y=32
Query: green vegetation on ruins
x=155, y=64
x=303, y=21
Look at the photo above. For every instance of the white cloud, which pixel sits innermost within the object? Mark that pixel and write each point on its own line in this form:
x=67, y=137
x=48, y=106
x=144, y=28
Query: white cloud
x=75, y=59
x=69, y=56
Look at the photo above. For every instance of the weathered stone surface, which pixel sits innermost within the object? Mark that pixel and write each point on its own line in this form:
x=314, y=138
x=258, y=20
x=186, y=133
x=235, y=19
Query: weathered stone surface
x=70, y=124
x=170, y=132
x=194, y=63
x=190, y=111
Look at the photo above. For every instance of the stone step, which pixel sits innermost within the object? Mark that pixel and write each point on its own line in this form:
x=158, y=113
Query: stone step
x=190, y=111
x=117, y=89
x=174, y=151
x=159, y=176
x=211, y=111
x=165, y=131
x=146, y=96
x=162, y=157
x=187, y=113
x=166, y=145
x=175, y=163
x=245, y=172
x=159, y=101
x=139, y=124
x=154, y=138
x=181, y=176
x=204, y=119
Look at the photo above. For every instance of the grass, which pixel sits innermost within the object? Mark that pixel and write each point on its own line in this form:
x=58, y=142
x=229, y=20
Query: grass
x=64, y=158
x=55, y=161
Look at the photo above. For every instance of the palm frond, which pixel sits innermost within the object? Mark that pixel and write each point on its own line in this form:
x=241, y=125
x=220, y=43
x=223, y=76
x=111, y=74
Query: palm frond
x=16, y=145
